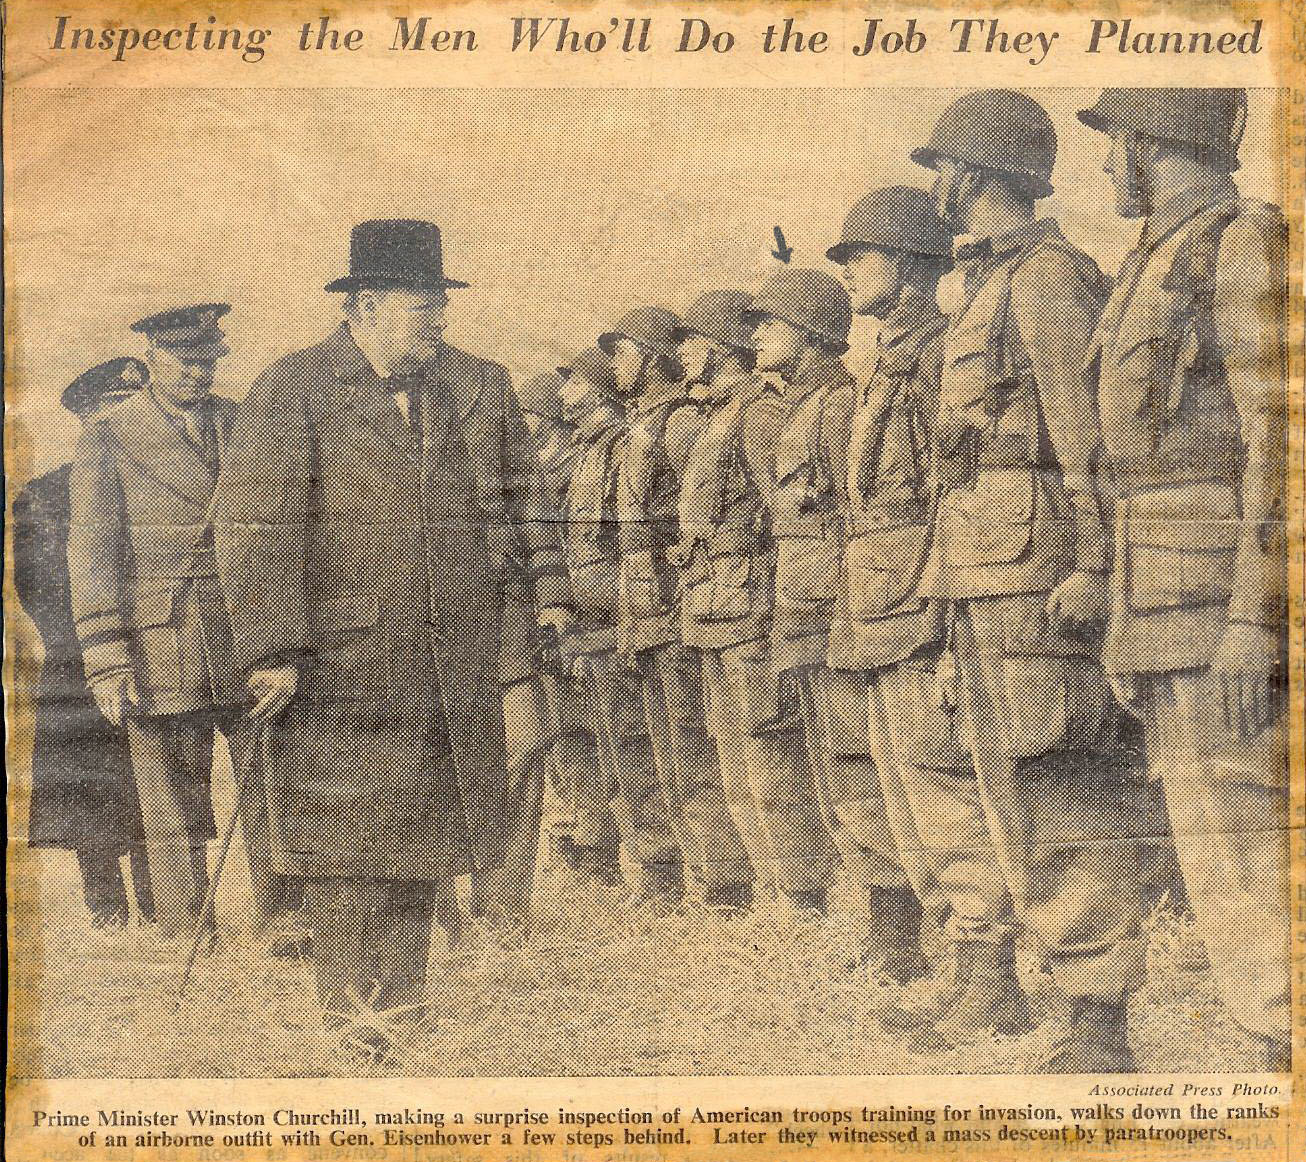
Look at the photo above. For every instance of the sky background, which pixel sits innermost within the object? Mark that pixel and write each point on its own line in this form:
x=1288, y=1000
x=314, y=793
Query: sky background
x=562, y=208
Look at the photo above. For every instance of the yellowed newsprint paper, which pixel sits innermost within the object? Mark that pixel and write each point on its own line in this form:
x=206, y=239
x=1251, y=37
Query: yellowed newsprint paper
x=683, y=581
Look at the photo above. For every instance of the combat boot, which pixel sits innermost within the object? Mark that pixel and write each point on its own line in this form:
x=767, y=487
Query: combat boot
x=892, y=944
x=988, y=997
x=661, y=886
x=598, y=865
x=807, y=901
x=729, y=899
x=1094, y=1038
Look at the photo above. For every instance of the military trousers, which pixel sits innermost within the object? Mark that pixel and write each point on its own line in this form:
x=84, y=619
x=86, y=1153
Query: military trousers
x=625, y=759
x=768, y=782
x=671, y=683
x=371, y=944
x=1229, y=804
x=503, y=893
x=1037, y=830
x=104, y=889
x=836, y=729
x=908, y=729
x=172, y=762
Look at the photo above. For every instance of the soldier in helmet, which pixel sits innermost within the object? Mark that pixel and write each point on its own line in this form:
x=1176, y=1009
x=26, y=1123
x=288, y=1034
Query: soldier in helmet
x=578, y=780
x=801, y=319
x=1021, y=557
x=604, y=678
x=725, y=587
x=663, y=424
x=548, y=736
x=1189, y=357
x=885, y=637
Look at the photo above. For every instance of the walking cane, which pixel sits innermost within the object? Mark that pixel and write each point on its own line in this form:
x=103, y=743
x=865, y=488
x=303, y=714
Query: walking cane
x=202, y=929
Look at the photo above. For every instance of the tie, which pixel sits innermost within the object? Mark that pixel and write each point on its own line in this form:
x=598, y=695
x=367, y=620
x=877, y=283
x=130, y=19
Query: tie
x=203, y=433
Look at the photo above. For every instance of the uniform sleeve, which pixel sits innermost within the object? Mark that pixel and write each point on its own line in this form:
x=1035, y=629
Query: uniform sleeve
x=260, y=522
x=526, y=502
x=1055, y=302
x=836, y=432
x=1249, y=314
x=96, y=545
x=30, y=561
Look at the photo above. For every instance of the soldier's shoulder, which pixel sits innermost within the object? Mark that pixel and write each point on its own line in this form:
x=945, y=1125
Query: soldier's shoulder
x=1253, y=224
x=1055, y=269
x=125, y=415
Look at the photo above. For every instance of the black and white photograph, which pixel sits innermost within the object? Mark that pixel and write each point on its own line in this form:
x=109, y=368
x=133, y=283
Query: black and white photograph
x=585, y=582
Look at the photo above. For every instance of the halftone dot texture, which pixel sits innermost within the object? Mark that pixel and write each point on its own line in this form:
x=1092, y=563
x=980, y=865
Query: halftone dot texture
x=1037, y=839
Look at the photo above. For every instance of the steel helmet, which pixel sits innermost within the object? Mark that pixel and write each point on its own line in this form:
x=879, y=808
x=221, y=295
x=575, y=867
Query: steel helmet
x=996, y=129
x=651, y=328
x=541, y=395
x=895, y=218
x=593, y=366
x=720, y=316
x=1209, y=118
x=813, y=300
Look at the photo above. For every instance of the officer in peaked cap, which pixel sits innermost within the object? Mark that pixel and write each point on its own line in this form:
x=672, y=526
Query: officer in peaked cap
x=1020, y=556
x=191, y=333
x=1189, y=356
x=83, y=794
x=884, y=638
x=153, y=625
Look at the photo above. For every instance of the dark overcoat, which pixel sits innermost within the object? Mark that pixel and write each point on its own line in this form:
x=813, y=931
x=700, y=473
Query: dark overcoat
x=395, y=567
x=83, y=793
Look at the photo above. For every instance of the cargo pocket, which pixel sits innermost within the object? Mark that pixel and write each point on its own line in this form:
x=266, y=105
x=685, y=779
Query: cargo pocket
x=991, y=524
x=883, y=569
x=807, y=572
x=1182, y=543
x=726, y=593
x=640, y=589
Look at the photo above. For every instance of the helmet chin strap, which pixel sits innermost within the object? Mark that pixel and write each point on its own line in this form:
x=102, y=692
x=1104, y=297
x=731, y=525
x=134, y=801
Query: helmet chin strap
x=1137, y=186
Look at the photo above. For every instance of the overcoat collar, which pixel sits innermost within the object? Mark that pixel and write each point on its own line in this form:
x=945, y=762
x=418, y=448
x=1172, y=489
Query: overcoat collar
x=451, y=389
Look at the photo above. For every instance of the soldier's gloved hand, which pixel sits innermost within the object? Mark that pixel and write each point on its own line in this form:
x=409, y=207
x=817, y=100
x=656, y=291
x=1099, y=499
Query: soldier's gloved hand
x=1246, y=667
x=115, y=696
x=272, y=690
x=1079, y=601
x=558, y=619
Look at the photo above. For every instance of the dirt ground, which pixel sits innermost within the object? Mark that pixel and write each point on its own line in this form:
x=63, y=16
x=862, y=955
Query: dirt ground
x=589, y=990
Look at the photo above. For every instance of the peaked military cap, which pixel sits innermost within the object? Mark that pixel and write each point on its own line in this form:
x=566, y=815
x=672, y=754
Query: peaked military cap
x=120, y=376
x=188, y=332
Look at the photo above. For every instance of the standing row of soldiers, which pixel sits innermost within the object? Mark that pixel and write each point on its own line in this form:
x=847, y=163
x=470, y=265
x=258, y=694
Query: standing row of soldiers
x=877, y=619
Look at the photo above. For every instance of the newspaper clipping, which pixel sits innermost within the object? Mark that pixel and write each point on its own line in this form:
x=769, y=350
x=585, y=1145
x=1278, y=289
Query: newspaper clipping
x=694, y=581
